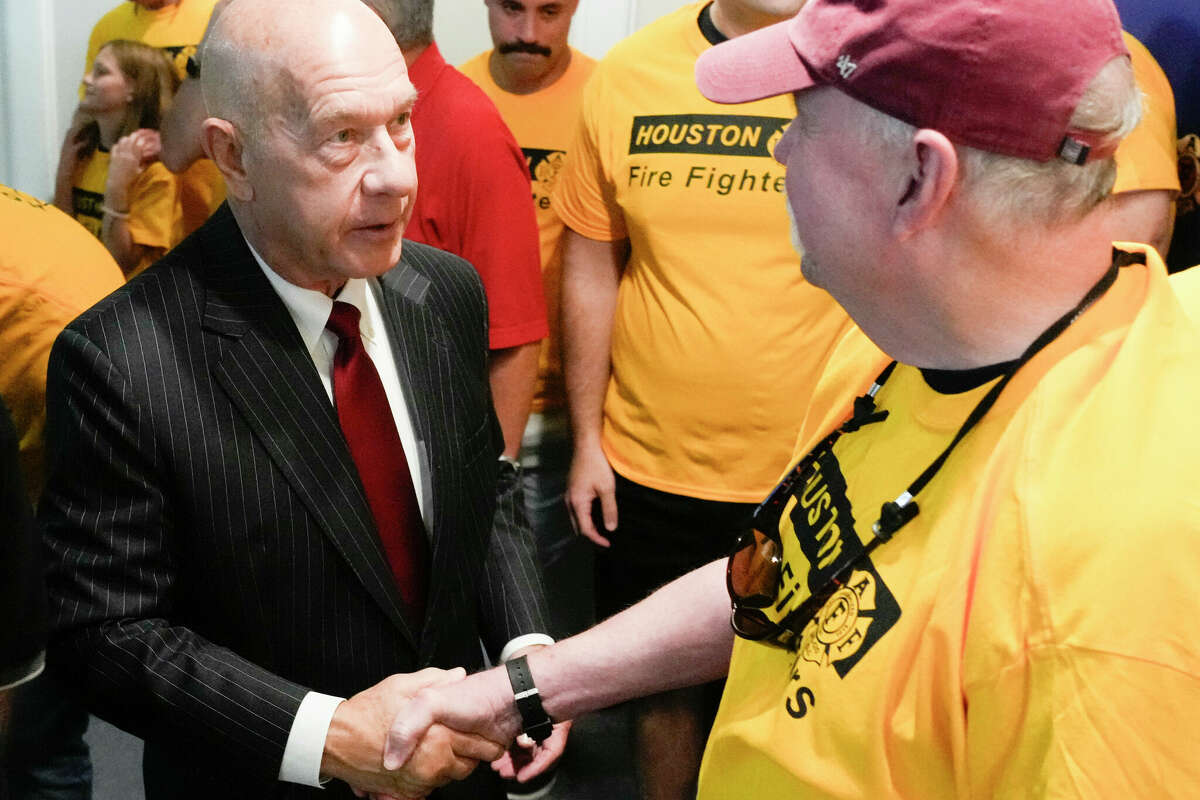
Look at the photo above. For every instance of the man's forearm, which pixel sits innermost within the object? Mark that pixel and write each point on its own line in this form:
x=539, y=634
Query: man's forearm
x=114, y=232
x=591, y=276
x=678, y=636
x=512, y=374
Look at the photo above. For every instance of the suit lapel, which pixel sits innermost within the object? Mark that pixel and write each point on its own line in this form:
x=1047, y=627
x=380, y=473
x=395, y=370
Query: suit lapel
x=263, y=367
x=423, y=360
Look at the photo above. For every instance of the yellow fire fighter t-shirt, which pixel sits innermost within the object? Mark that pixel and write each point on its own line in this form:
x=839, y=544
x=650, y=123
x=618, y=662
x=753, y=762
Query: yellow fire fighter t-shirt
x=717, y=339
x=176, y=30
x=154, y=214
x=543, y=124
x=1031, y=633
x=51, y=271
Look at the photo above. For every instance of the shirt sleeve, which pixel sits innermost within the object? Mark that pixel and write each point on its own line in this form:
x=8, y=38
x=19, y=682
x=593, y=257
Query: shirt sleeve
x=154, y=210
x=501, y=236
x=585, y=193
x=306, y=739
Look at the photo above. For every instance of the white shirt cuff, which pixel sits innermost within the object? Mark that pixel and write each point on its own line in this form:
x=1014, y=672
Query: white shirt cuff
x=306, y=740
x=22, y=673
x=522, y=642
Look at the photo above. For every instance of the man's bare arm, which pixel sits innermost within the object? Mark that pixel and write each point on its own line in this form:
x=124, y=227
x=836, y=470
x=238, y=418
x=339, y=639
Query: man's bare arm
x=679, y=636
x=512, y=373
x=591, y=274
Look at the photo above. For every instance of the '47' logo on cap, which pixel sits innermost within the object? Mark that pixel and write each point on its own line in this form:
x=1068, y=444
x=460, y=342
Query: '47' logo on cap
x=846, y=66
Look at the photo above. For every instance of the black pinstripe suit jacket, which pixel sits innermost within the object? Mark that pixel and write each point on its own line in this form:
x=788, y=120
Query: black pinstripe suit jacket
x=212, y=553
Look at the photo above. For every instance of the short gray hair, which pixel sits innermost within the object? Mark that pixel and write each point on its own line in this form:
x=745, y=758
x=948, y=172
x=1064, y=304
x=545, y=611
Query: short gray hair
x=232, y=81
x=1008, y=191
x=410, y=21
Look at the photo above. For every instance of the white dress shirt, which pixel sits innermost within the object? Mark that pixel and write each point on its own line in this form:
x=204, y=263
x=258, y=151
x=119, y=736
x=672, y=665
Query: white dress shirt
x=310, y=311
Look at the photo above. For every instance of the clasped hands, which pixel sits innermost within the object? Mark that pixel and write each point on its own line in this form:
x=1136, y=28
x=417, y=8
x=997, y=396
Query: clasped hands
x=409, y=734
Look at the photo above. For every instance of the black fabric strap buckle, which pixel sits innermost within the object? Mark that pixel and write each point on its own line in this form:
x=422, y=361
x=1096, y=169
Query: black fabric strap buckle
x=893, y=517
x=864, y=414
x=536, y=723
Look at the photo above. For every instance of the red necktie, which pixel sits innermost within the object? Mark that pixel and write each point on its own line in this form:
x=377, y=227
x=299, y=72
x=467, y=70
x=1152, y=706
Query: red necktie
x=370, y=431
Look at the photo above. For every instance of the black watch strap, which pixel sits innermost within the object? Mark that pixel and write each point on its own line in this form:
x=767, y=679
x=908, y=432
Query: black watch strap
x=534, y=719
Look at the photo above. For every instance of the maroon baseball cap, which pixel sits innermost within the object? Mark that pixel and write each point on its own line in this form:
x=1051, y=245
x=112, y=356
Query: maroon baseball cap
x=997, y=75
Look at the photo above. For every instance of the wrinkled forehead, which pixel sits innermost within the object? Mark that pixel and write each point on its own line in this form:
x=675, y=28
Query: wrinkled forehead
x=352, y=86
x=350, y=61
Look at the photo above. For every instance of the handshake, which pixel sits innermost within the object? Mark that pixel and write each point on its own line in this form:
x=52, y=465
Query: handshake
x=409, y=734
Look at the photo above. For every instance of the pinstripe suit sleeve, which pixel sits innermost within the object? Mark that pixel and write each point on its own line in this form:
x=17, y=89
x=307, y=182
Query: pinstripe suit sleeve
x=512, y=593
x=512, y=598
x=108, y=530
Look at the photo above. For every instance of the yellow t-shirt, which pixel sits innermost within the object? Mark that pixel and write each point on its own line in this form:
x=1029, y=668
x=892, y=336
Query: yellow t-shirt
x=1187, y=286
x=176, y=30
x=717, y=338
x=154, y=212
x=543, y=123
x=1030, y=633
x=1146, y=158
x=51, y=271
x=201, y=192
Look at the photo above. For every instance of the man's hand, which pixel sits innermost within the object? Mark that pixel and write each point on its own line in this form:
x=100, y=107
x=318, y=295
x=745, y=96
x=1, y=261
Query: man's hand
x=130, y=156
x=482, y=704
x=590, y=479
x=526, y=759
x=354, y=746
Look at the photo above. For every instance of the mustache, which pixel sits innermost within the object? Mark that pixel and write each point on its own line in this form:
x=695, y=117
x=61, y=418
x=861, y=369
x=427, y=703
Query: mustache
x=519, y=46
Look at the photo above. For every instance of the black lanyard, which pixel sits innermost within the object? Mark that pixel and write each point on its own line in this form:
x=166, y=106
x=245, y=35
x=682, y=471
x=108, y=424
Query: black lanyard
x=895, y=514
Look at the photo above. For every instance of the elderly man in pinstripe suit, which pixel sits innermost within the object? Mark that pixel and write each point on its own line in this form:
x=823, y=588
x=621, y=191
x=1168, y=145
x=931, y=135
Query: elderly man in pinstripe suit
x=275, y=478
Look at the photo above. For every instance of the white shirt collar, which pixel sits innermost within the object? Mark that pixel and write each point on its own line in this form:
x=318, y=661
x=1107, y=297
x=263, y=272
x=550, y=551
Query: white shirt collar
x=310, y=309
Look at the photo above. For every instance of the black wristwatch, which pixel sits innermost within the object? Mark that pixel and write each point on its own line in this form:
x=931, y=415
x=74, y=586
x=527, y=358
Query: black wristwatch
x=534, y=719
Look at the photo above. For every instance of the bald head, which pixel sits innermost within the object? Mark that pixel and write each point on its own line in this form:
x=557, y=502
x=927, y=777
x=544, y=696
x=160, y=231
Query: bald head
x=256, y=57
x=309, y=122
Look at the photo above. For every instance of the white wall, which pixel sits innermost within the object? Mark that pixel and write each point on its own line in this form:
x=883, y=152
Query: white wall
x=42, y=46
x=43, y=42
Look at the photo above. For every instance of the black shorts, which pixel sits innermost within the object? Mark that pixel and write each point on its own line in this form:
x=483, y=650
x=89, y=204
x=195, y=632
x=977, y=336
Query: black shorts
x=659, y=537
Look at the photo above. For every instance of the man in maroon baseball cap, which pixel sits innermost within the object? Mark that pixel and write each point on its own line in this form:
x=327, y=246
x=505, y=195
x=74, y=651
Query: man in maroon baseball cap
x=977, y=578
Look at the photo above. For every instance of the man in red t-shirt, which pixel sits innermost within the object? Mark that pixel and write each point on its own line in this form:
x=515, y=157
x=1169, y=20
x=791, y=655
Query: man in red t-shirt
x=474, y=202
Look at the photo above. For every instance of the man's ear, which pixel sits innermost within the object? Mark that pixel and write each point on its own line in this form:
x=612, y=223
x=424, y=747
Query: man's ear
x=932, y=174
x=223, y=144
